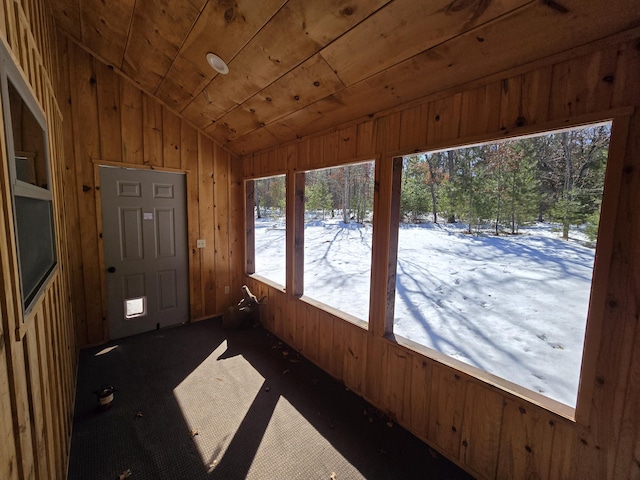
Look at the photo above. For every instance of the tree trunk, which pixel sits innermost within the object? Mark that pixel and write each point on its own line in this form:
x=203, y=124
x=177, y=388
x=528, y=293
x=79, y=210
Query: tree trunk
x=470, y=204
x=345, y=198
x=432, y=185
x=499, y=199
x=434, y=203
x=568, y=182
x=513, y=204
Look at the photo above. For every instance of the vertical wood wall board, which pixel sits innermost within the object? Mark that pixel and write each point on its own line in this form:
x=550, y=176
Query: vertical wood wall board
x=628, y=450
x=525, y=98
x=303, y=155
x=71, y=200
x=108, y=96
x=355, y=358
x=290, y=321
x=478, y=110
x=237, y=226
x=312, y=336
x=338, y=347
x=397, y=383
x=206, y=221
x=260, y=163
x=152, y=132
x=347, y=143
x=420, y=388
x=446, y=406
x=367, y=139
x=315, y=155
x=277, y=298
x=389, y=132
x=526, y=442
x=300, y=325
x=21, y=415
x=86, y=147
x=413, y=126
x=326, y=347
x=272, y=309
x=171, y=139
x=189, y=162
x=47, y=389
x=35, y=400
x=330, y=149
x=584, y=84
x=132, y=138
x=562, y=464
x=8, y=454
x=444, y=119
x=625, y=86
x=221, y=181
x=100, y=247
x=376, y=365
x=58, y=375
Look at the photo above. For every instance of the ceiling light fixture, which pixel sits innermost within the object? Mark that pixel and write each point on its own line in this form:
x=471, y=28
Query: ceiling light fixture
x=217, y=63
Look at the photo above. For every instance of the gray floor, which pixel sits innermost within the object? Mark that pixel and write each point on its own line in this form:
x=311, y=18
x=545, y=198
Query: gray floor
x=198, y=402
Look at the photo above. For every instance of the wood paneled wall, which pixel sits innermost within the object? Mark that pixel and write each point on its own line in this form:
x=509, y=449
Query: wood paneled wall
x=487, y=430
x=37, y=350
x=111, y=121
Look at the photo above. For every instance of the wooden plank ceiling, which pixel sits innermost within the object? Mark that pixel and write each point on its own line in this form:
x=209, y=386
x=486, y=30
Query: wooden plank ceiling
x=300, y=66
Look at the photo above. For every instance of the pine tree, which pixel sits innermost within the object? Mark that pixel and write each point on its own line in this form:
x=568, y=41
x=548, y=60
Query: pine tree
x=318, y=197
x=414, y=197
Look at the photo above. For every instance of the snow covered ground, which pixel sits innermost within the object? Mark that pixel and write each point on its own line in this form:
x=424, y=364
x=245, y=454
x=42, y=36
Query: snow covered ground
x=514, y=306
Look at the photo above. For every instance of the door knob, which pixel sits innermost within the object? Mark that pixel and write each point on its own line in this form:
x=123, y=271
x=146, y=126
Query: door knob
x=111, y=269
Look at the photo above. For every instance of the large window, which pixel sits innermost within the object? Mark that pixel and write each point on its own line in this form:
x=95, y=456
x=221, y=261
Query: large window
x=266, y=210
x=30, y=183
x=496, y=252
x=337, y=237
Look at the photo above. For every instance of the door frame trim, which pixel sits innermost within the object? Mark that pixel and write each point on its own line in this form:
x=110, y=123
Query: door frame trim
x=97, y=163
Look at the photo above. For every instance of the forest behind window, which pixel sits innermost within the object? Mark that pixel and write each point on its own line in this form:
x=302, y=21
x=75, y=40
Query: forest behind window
x=496, y=249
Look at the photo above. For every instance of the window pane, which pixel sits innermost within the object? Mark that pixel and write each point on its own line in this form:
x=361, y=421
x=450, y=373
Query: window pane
x=28, y=142
x=337, y=237
x=35, y=243
x=270, y=228
x=496, y=252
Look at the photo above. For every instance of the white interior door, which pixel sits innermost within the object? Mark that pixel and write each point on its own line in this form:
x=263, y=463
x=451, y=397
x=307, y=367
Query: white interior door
x=144, y=230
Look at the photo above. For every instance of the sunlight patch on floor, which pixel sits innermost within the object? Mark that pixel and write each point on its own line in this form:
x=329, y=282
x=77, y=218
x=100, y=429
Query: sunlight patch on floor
x=214, y=400
x=288, y=438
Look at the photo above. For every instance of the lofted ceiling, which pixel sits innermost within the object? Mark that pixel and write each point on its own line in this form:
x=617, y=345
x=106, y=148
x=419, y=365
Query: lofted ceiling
x=300, y=66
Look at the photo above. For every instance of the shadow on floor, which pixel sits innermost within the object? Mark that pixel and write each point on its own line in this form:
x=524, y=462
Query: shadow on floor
x=197, y=402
